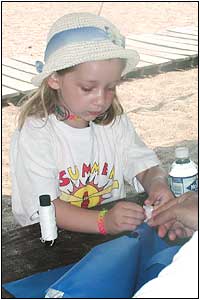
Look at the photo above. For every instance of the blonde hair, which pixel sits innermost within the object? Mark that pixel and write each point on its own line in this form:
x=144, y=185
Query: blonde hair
x=42, y=102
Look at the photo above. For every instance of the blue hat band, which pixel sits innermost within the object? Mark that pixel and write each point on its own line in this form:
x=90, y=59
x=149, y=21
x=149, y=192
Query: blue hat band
x=76, y=35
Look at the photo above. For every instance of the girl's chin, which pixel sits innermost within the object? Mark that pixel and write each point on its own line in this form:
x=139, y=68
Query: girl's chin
x=89, y=118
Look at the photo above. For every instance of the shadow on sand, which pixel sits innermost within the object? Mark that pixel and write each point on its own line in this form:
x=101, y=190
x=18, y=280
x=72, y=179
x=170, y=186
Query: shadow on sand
x=167, y=154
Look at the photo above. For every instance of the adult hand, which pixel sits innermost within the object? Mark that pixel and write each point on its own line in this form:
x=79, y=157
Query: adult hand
x=179, y=216
x=124, y=216
x=160, y=194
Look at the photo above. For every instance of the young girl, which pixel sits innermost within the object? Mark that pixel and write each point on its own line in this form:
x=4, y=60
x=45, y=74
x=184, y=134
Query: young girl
x=74, y=142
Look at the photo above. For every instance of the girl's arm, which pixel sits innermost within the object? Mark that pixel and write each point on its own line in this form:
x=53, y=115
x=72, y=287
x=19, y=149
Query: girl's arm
x=74, y=218
x=123, y=216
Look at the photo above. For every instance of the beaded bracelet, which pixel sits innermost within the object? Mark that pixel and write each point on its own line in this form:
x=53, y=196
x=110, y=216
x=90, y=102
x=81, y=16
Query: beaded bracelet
x=100, y=221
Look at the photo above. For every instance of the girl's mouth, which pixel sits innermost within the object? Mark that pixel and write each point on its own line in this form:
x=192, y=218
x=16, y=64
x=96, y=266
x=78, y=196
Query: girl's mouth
x=95, y=113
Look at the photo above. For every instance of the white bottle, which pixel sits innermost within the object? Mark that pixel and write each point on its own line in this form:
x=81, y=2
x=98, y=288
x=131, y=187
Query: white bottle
x=47, y=220
x=183, y=175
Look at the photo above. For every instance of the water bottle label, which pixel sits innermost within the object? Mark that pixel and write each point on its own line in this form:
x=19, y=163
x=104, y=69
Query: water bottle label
x=181, y=185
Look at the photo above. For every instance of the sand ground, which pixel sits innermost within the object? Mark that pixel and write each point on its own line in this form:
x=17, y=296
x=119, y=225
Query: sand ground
x=163, y=108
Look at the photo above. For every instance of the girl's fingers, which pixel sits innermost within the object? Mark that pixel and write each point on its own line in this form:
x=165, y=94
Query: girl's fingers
x=133, y=214
x=129, y=210
x=163, y=207
x=132, y=221
x=127, y=227
x=159, y=198
x=133, y=207
x=149, y=201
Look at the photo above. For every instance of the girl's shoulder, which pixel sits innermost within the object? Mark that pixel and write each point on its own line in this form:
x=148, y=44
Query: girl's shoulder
x=35, y=128
x=34, y=123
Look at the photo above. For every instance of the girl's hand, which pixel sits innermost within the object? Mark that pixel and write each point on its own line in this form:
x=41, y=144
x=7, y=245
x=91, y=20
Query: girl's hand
x=124, y=216
x=154, y=181
x=159, y=193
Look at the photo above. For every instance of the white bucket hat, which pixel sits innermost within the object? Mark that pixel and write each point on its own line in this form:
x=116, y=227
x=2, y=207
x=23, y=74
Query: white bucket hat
x=81, y=37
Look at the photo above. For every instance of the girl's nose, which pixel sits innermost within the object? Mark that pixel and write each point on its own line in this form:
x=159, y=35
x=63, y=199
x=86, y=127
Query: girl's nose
x=100, y=97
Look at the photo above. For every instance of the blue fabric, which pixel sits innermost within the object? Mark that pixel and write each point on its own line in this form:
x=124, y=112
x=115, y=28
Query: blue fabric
x=74, y=35
x=114, y=269
x=154, y=265
x=35, y=286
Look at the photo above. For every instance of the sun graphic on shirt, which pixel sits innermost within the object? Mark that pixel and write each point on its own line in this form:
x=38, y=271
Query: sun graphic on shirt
x=88, y=195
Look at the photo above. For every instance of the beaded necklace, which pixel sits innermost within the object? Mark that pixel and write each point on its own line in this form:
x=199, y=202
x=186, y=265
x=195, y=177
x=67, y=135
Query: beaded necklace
x=62, y=114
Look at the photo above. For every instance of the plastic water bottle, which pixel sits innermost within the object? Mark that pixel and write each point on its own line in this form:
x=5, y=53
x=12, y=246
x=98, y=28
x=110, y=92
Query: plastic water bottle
x=183, y=175
x=47, y=221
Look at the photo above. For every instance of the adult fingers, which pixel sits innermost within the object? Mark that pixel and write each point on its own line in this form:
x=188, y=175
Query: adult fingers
x=172, y=235
x=162, y=218
x=178, y=232
x=162, y=231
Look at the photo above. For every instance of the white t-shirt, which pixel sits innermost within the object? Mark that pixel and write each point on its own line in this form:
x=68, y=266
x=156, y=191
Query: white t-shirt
x=179, y=279
x=84, y=166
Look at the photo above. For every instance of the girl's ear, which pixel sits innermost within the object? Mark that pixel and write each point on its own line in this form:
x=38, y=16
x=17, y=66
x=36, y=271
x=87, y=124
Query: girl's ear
x=54, y=81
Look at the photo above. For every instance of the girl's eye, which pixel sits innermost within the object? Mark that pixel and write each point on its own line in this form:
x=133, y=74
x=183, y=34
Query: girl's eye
x=85, y=89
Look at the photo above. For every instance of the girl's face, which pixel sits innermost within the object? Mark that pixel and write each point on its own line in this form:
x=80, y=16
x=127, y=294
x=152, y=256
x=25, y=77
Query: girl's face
x=89, y=89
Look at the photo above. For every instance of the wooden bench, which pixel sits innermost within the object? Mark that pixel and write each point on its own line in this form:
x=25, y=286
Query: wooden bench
x=16, y=77
x=175, y=48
